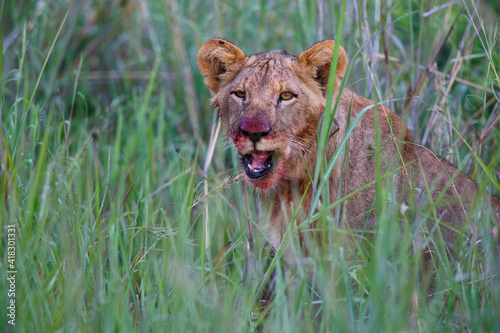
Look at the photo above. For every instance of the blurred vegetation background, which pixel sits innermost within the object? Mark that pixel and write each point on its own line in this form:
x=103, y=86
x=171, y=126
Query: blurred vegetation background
x=125, y=219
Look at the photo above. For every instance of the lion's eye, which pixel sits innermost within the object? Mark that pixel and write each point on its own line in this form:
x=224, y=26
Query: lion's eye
x=240, y=93
x=286, y=95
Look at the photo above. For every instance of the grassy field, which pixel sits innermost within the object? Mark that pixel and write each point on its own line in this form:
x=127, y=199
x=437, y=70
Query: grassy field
x=128, y=208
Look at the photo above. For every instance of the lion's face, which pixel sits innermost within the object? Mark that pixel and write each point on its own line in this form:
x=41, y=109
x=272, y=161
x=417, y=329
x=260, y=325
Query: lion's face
x=264, y=111
x=269, y=104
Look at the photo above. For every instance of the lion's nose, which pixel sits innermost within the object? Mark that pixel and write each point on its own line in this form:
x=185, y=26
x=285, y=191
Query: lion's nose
x=255, y=136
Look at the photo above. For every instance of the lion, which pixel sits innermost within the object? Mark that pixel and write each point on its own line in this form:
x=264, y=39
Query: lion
x=270, y=105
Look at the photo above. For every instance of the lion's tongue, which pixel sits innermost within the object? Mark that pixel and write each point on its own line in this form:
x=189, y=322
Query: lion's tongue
x=259, y=160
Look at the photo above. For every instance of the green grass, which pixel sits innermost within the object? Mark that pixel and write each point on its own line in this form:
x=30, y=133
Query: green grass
x=126, y=222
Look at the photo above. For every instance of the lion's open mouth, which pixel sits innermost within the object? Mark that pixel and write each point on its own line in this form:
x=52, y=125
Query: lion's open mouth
x=257, y=163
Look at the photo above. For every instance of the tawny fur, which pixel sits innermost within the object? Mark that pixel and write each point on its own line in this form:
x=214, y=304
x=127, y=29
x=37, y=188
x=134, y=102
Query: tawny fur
x=291, y=128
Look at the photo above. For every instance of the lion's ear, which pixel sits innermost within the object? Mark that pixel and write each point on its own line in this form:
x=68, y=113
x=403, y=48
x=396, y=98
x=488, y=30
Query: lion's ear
x=216, y=58
x=318, y=59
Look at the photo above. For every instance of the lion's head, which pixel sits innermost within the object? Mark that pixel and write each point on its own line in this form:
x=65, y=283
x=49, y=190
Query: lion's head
x=269, y=104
